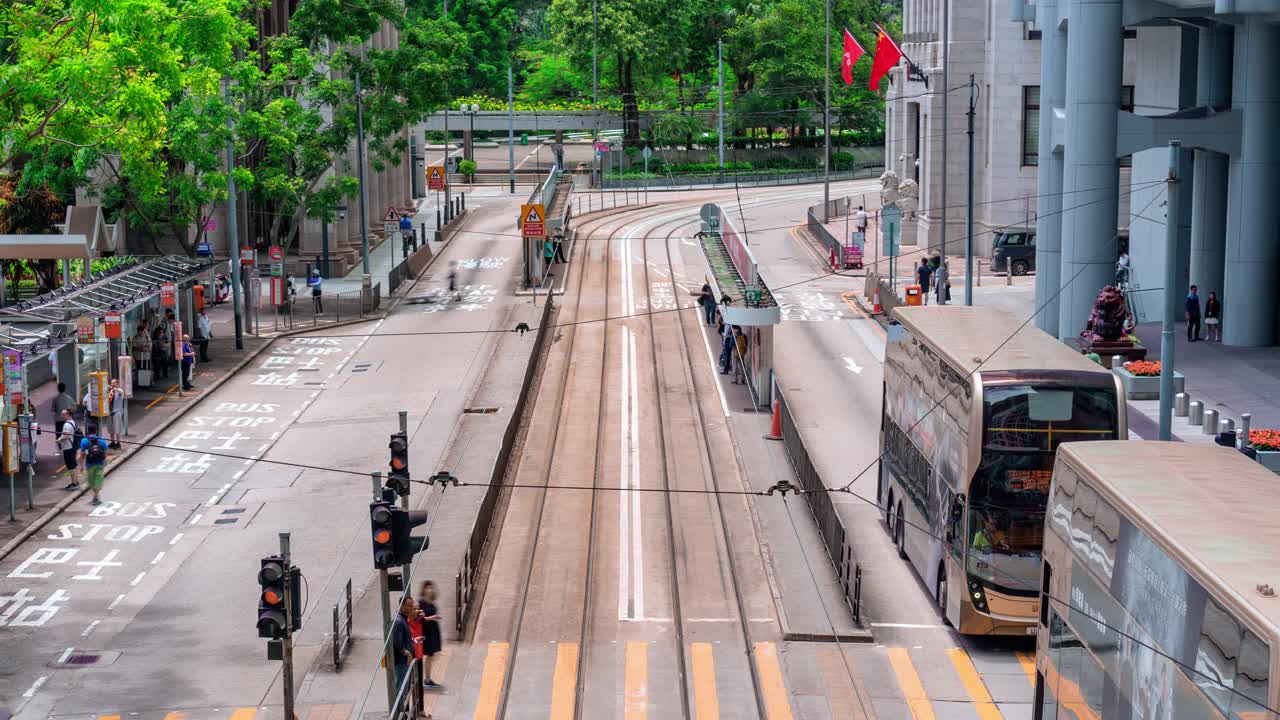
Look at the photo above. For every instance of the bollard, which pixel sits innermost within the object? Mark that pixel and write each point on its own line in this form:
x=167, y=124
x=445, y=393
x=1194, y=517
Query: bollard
x=1210, y=426
x=1117, y=361
x=1195, y=412
x=1246, y=420
x=979, y=273
x=1180, y=403
x=464, y=201
x=1226, y=425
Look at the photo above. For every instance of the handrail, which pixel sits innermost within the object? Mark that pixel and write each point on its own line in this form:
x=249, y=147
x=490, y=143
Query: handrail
x=341, y=640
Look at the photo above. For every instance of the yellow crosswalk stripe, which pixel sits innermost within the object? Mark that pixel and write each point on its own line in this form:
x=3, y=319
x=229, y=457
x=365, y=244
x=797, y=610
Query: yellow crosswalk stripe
x=1028, y=662
x=973, y=685
x=636, y=697
x=706, y=705
x=772, y=687
x=495, y=668
x=244, y=713
x=564, y=682
x=909, y=681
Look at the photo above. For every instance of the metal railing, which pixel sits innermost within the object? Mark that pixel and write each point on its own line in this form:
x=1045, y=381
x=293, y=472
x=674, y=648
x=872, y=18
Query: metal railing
x=331, y=309
x=678, y=181
x=464, y=581
x=342, y=621
x=409, y=695
x=834, y=538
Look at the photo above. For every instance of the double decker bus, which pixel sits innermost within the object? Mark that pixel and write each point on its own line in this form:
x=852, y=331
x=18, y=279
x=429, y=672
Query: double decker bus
x=975, y=403
x=1159, y=585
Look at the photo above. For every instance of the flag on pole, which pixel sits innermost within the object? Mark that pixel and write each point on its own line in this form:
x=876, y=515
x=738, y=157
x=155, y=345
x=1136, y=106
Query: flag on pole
x=887, y=55
x=852, y=52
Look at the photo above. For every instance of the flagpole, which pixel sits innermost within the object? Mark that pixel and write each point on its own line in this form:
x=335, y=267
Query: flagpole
x=826, y=124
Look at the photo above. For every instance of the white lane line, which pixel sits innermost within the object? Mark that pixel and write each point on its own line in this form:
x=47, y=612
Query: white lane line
x=155, y=560
x=624, y=518
x=89, y=629
x=275, y=435
x=175, y=539
x=65, y=654
x=137, y=579
x=263, y=446
x=31, y=691
x=317, y=392
x=237, y=474
x=213, y=500
x=706, y=343
x=248, y=462
x=637, y=529
x=908, y=626
x=196, y=518
x=116, y=602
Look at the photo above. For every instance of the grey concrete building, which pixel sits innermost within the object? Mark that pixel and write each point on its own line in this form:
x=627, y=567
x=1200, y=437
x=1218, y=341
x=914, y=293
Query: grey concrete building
x=1004, y=57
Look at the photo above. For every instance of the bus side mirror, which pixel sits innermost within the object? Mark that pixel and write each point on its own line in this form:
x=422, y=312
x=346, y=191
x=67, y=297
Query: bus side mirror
x=957, y=507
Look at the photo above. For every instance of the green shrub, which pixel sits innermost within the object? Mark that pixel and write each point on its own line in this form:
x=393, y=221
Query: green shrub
x=467, y=167
x=842, y=161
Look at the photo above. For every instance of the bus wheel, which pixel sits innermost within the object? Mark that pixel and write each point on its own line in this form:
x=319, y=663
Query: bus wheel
x=942, y=593
x=899, y=534
x=888, y=514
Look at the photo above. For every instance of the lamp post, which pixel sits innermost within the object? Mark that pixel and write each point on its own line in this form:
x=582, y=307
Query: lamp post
x=470, y=110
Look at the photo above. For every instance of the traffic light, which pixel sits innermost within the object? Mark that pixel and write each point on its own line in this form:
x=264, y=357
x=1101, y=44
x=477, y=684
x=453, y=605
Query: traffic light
x=398, y=477
x=381, y=516
x=406, y=546
x=271, y=614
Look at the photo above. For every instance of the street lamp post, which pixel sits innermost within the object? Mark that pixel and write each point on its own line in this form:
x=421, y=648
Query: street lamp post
x=470, y=111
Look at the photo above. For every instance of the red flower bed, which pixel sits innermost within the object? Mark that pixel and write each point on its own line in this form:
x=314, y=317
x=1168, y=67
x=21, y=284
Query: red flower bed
x=1264, y=439
x=1143, y=368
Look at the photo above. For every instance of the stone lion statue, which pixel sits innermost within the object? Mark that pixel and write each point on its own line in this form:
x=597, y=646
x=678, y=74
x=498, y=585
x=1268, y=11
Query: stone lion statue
x=908, y=196
x=888, y=187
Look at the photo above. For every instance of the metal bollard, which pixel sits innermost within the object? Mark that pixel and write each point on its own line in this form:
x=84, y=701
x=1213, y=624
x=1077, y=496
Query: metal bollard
x=1117, y=361
x=1226, y=425
x=1246, y=419
x=1195, y=412
x=979, y=273
x=464, y=201
x=1210, y=426
x=1180, y=403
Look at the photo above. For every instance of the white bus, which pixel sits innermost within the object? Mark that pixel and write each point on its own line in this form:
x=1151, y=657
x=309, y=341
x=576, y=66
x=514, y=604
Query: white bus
x=967, y=444
x=1160, y=572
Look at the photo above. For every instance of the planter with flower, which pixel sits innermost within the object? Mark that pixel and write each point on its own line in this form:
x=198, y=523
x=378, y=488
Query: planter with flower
x=1266, y=442
x=1141, y=379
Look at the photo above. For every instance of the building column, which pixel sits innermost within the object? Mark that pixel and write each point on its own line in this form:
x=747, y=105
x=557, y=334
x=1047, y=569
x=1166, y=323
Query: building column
x=1249, y=293
x=1209, y=198
x=1053, y=94
x=1095, y=53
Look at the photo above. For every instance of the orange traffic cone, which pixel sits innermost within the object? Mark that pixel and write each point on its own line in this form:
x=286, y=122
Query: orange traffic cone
x=775, y=431
x=875, y=301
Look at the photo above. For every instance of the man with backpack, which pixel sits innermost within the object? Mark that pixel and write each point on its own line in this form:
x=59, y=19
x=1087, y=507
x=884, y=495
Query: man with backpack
x=93, y=453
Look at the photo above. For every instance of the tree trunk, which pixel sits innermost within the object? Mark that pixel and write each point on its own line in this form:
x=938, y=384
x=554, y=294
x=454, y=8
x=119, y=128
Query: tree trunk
x=630, y=108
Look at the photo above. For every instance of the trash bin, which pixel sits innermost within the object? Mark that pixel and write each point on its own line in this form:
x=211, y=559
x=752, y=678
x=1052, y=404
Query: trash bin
x=913, y=294
x=524, y=138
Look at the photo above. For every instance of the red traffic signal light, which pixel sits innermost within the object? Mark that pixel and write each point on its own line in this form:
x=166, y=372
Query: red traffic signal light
x=381, y=515
x=398, y=477
x=271, y=613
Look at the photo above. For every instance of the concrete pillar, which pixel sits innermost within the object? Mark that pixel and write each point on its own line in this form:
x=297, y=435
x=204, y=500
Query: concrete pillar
x=1095, y=53
x=1249, y=293
x=1209, y=191
x=1053, y=91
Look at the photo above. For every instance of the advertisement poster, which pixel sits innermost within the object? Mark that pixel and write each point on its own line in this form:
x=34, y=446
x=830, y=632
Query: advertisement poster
x=85, y=330
x=13, y=378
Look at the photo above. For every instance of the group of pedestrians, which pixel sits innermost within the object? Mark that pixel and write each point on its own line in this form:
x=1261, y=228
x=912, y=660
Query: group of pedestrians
x=1212, y=316
x=84, y=449
x=415, y=635
x=155, y=350
x=733, y=341
x=932, y=275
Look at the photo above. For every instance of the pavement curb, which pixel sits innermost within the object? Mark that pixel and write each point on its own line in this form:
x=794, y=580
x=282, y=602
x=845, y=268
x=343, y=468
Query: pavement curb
x=139, y=445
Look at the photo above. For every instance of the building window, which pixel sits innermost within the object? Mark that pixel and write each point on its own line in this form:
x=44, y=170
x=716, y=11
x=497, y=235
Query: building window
x=1030, y=125
x=1126, y=98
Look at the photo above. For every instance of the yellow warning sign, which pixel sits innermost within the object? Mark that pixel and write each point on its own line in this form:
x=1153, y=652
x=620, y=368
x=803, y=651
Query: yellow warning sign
x=435, y=178
x=533, y=220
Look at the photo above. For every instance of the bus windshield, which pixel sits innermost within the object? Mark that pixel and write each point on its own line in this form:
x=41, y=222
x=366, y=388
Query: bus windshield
x=1022, y=426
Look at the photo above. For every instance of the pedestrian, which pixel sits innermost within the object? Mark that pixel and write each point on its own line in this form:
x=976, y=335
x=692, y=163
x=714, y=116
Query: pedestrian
x=860, y=220
x=727, y=346
x=942, y=281
x=402, y=640
x=93, y=454
x=707, y=300
x=1193, y=315
x=922, y=278
x=431, y=639
x=141, y=347
x=188, y=362
x=171, y=337
x=453, y=280
x=317, y=301
x=559, y=247
x=205, y=327
x=740, y=347
x=159, y=351
x=414, y=619
x=548, y=252
x=116, y=401
x=67, y=432
x=63, y=401
x=1212, y=317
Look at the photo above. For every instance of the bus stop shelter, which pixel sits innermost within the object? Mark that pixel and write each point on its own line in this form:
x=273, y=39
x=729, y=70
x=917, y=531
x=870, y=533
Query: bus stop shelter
x=745, y=299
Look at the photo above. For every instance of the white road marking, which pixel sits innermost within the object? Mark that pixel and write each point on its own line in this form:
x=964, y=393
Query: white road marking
x=65, y=654
x=275, y=435
x=31, y=691
x=317, y=392
x=196, y=518
x=155, y=560
x=137, y=579
x=852, y=365
x=263, y=446
x=237, y=474
x=175, y=539
x=89, y=629
x=908, y=626
x=248, y=462
x=116, y=602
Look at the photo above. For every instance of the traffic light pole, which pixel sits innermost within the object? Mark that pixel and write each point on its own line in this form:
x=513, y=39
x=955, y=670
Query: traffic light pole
x=384, y=596
x=404, y=499
x=287, y=680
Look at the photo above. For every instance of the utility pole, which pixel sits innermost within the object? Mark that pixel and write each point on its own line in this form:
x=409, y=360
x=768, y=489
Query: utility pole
x=1170, y=294
x=720, y=121
x=595, y=85
x=968, y=222
x=511, y=134
x=826, y=123
x=384, y=597
x=946, y=91
x=364, y=223
x=289, y=589
x=232, y=233
x=445, y=169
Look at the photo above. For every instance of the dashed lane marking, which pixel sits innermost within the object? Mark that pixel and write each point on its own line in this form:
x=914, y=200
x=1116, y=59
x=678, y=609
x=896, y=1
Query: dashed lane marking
x=706, y=705
x=156, y=560
x=89, y=630
x=772, y=687
x=31, y=691
x=116, y=602
x=909, y=682
x=564, y=682
x=973, y=685
x=137, y=579
x=175, y=539
x=495, y=668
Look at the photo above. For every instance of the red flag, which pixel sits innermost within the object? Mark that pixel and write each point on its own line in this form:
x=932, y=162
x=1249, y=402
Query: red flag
x=886, y=57
x=852, y=52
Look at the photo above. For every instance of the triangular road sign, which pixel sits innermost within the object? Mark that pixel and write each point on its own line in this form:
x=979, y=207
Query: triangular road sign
x=391, y=215
x=533, y=216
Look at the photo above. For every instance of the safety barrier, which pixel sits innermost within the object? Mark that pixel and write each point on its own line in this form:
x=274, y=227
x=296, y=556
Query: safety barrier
x=464, y=581
x=409, y=268
x=835, y=208
x=408, y=700
x=342, y=615
x=679, y=181
x=333, y=308
x=834, y=538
